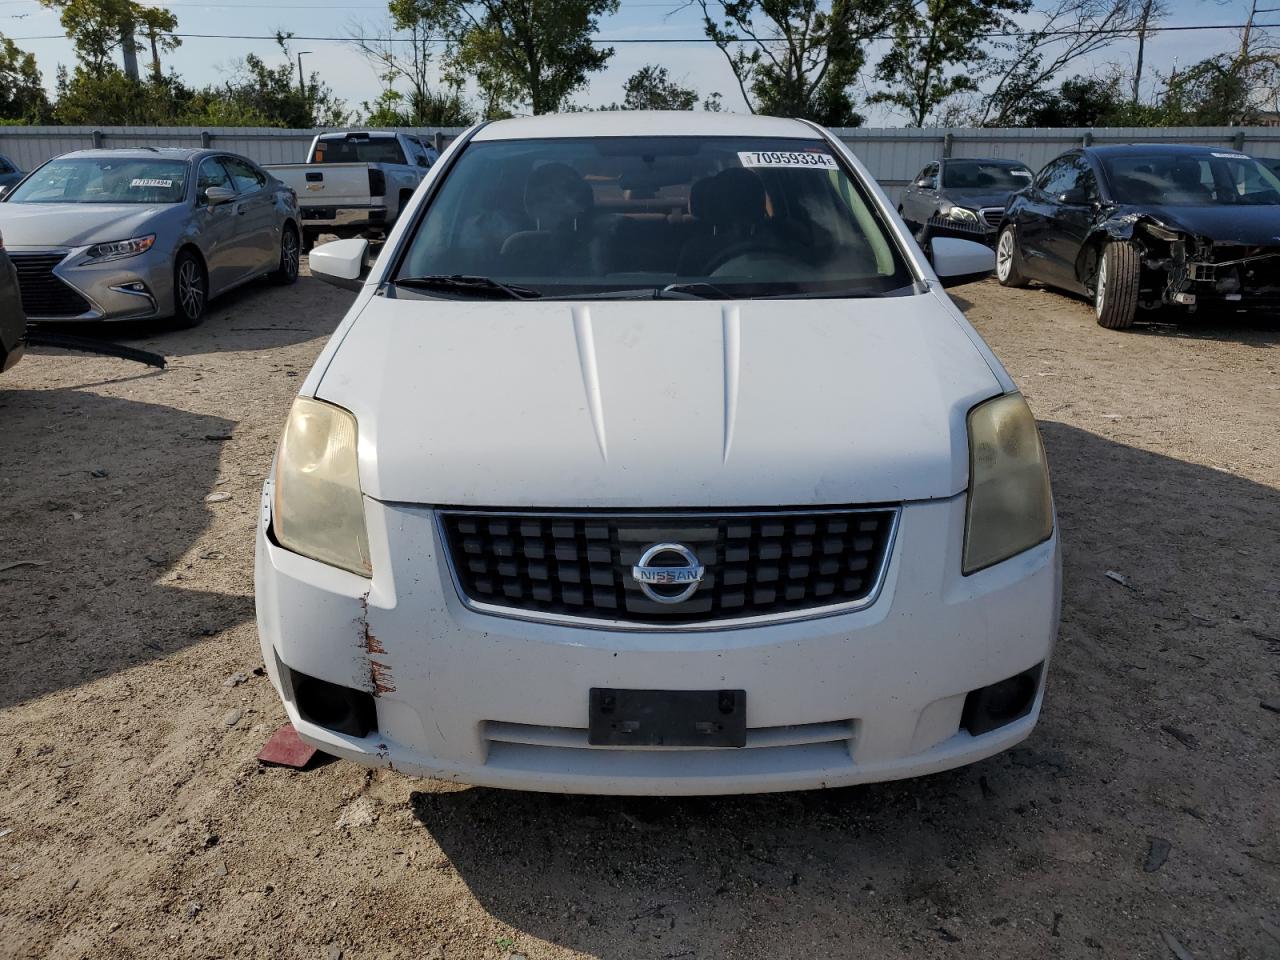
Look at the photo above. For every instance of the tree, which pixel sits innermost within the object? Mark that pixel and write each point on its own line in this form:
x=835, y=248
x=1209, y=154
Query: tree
x=1149, y=12
x=651, y=88
x=22, y=94
x=519, y=53
x=256, y=95
x=1063, y=32
x=936, y=50
x=108, y=96
x=1079, y=102
x=796, y=58
x=401, y=53
x=99, y=28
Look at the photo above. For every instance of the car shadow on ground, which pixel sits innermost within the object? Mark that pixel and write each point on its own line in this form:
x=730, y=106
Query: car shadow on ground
x=972, y=855
x=106, y=526
x=245, y=319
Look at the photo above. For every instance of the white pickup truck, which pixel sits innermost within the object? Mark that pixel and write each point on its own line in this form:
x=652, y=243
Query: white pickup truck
x=355, y=184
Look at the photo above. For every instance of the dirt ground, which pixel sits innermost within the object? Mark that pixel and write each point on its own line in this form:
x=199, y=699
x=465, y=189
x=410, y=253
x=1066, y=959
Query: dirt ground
x=1142, y=819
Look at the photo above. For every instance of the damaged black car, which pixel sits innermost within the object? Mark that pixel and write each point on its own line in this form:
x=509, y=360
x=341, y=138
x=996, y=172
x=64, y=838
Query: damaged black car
x=1147, y=226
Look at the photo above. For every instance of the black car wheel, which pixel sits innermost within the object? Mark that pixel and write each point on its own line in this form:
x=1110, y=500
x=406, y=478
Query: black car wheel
x=1115, y=288
x=290, y=254
x=1008, y=261
x=190, y=290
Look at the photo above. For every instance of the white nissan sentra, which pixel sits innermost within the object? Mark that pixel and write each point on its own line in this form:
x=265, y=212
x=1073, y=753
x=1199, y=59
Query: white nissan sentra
x=652, y=458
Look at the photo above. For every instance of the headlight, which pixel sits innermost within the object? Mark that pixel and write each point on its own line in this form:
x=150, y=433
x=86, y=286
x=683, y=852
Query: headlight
x=318, y=509
x=951, y=211
x=119, y=249
x=1010, y=506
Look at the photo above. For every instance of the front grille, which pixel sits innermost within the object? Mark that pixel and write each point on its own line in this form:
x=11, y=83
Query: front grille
x=579, y=565
x=992, y=215
x=959, y=226
x=43, y=294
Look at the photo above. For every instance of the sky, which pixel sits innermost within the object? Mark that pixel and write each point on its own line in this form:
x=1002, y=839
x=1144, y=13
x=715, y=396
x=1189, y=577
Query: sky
x=698, y=65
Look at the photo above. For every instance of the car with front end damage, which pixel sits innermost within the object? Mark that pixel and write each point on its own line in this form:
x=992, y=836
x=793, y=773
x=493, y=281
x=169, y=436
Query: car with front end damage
x=13, y=322
x=1148, y=226
x=653, y=458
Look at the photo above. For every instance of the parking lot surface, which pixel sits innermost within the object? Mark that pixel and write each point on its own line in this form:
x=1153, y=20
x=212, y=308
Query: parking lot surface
x=1141, y=818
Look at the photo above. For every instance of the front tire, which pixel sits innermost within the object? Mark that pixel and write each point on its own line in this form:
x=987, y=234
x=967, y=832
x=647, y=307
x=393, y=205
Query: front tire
x=290, y=255
x=1115, y=288
x=1008, y=266
x=190, y=290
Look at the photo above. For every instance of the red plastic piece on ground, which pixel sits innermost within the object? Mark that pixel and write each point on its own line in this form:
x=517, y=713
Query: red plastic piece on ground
x=286, y=750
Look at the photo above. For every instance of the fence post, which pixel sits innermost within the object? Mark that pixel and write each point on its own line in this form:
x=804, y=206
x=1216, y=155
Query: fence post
x=97, y=139
x=1087, y=139
x=948, y=141
x=206, y=139
x=437, y=140
x=1238, y=140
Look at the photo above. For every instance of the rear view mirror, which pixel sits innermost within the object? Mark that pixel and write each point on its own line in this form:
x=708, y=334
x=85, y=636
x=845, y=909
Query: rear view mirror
x=958, y=261
x=217, y=195
x=341, y=263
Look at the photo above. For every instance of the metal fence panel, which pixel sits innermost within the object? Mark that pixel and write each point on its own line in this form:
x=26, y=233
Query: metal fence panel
x=893, y=156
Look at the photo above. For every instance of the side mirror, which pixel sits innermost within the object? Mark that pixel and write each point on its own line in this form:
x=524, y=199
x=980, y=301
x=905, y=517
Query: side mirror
x=958, y=261
x=341, y=263
x=424, y=162
x=217, y=195
x=1075, y=197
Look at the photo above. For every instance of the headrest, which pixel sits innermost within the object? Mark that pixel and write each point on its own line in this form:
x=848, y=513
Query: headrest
x=556, y=197
x=734, y=196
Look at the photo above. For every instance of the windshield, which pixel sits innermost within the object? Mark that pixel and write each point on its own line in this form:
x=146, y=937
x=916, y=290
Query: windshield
x=104, y=180
x=364, y=150
x=744, y=217
x=1186, y=179
x=985, y=175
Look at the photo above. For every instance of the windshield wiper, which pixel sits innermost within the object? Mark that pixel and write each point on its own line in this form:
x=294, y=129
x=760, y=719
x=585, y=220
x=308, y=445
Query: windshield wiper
x=672, y=291
x=462, y=283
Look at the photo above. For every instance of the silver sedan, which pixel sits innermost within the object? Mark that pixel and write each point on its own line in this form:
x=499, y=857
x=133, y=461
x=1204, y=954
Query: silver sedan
x=138, y=234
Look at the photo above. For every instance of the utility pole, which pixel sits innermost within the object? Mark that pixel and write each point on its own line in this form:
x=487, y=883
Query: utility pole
x=1148, y=7
x=129, y=48
x=302, y=83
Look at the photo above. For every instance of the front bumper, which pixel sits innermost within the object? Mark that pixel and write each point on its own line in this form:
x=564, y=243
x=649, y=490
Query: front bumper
x=871, y=695
x=980, y=230
x=135, y=288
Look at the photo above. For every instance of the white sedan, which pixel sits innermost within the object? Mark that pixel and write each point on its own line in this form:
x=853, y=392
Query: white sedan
x=652, y=458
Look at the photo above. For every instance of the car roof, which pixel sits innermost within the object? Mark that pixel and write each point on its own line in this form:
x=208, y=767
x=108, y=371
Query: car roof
x=143, y=153
x=1012, y=163
x=1147, y=149
x=646, y=123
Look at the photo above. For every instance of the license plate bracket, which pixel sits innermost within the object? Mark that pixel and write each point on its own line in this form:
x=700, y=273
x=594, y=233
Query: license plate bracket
x=667, y=718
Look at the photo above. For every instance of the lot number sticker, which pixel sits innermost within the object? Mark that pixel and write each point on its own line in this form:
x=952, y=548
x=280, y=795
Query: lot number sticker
x=770, y=158
x=151, y=183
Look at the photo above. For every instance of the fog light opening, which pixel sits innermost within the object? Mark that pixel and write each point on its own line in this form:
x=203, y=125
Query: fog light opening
x=991, y=707
x=337, y=708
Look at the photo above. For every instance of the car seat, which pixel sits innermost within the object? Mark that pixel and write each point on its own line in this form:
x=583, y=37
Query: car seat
x=733, y=205
x=560, y=205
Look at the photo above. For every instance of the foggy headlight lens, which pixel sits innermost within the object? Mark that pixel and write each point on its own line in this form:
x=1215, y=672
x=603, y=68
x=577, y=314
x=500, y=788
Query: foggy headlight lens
x=1010, y=506
x=318, y=509
x=119, y=249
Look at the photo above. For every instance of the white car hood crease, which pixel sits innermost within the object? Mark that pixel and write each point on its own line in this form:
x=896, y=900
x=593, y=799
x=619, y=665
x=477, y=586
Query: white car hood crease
x=659, y=403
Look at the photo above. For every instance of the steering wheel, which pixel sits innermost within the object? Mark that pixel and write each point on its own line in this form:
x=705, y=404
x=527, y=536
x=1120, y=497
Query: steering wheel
x=744, y=247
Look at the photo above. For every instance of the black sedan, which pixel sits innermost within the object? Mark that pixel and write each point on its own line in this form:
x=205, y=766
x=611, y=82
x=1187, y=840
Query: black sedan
x=9, y=174
x=13, y=323
x=961, y=197
x=1145, y=226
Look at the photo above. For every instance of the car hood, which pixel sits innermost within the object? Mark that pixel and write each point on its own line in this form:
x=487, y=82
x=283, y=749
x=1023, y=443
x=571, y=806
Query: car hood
x=976, y=199
x=659, y=403
x=73, y=224
x=1247, y=224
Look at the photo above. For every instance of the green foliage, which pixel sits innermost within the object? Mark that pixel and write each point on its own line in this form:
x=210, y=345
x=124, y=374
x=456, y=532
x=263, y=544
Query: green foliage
x=435, y=108
x=520, y=54
x=107, y=97
x=99, y=28
x=796, y=58
x=936, y=50
x=22, y=96
x=256, y=95
x=651, y=88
